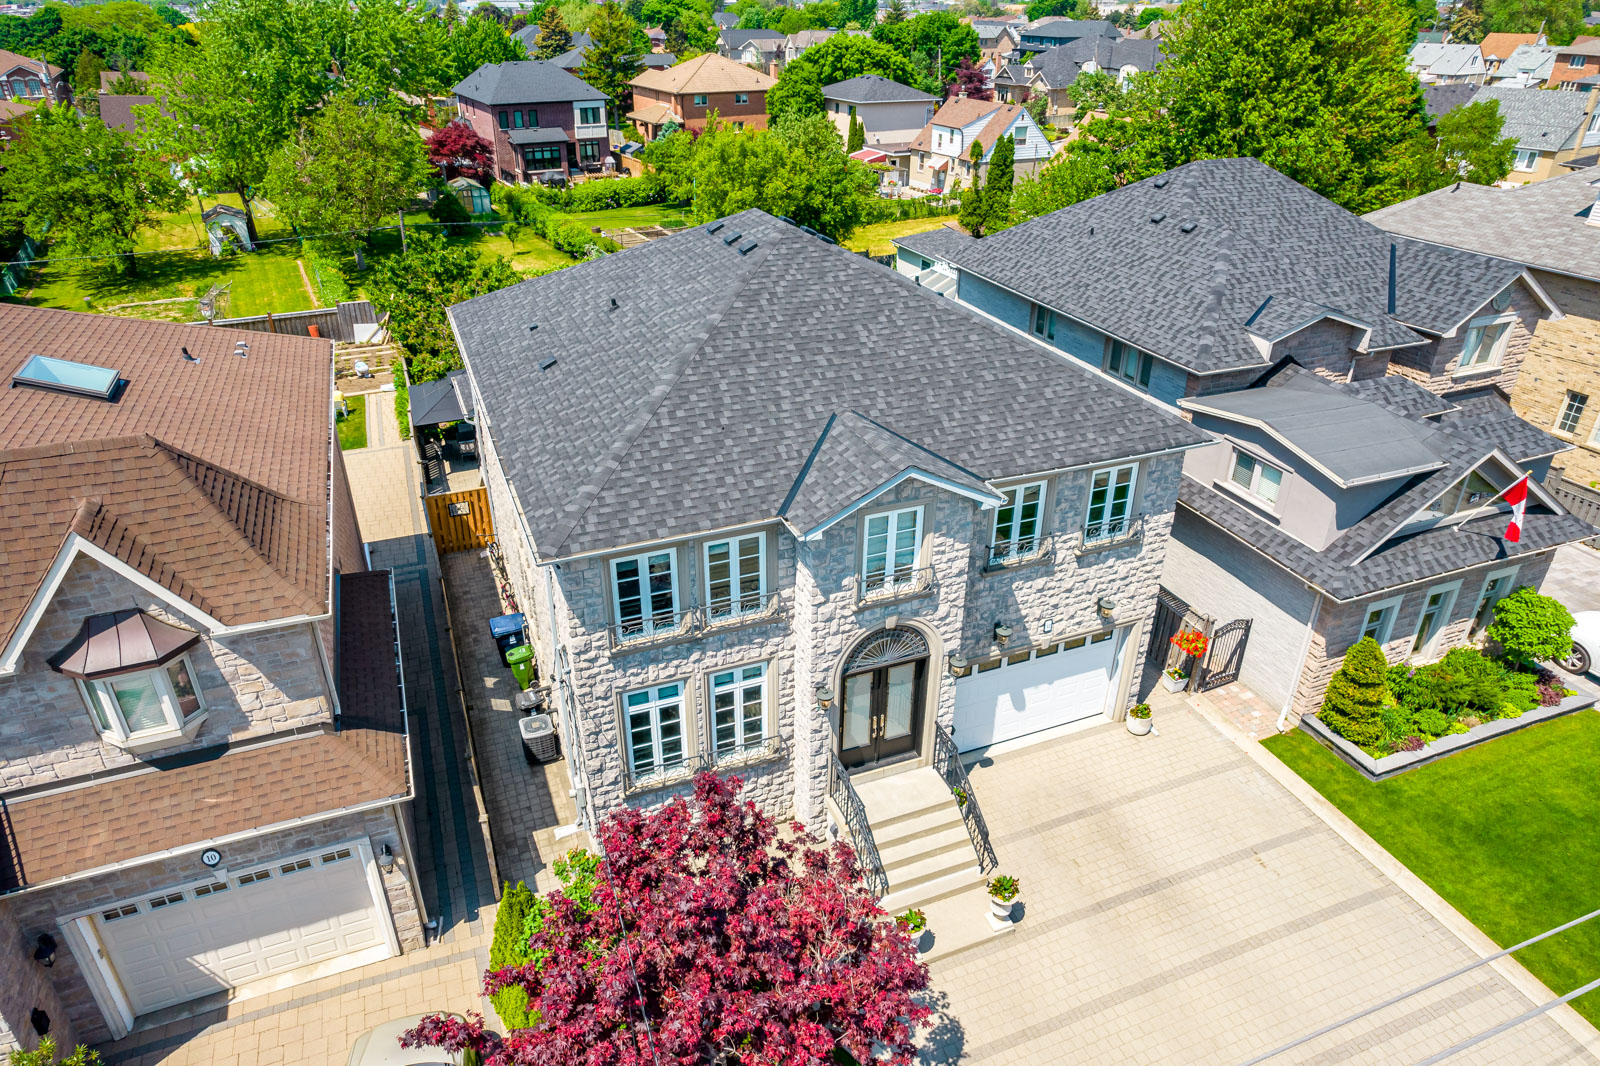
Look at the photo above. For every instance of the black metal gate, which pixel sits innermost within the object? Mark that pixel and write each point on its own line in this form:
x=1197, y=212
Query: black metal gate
x=1225, y=655
x=1170, y=613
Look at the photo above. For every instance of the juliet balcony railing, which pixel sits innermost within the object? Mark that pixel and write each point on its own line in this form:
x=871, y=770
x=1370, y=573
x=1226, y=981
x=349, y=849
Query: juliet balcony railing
x=720, y=758
x=891, y=585
x=665, y=627
x=1019, y=552
x=1109, y=534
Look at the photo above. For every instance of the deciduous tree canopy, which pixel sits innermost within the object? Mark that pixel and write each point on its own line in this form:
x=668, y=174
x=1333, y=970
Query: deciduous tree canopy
x=842, y=56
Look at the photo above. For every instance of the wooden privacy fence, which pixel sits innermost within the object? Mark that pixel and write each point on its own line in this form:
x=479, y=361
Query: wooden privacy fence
x=460, y=521
x=333, y=323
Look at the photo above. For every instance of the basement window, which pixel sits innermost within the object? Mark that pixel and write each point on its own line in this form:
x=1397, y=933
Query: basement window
x=63, y=375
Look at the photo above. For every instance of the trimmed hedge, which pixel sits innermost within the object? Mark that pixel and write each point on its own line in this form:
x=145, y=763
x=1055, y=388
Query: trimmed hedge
x=595, y=195
x=904, y=210
x=528, y=211
x=402, y=398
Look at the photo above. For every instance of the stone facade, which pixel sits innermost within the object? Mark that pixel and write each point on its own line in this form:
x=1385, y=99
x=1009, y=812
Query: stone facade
x=1436, y=366
x=43, y=910
x=250, y=683
x=1339, y=624
x=819, y=617
x=1565, y=357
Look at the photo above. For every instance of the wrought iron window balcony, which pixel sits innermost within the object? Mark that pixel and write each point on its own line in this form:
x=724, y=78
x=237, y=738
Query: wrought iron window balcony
x=1020, y=552
x=743, y=609
x=1109, y=534
x=657, y=627
x=720, y=759
x=874, y=589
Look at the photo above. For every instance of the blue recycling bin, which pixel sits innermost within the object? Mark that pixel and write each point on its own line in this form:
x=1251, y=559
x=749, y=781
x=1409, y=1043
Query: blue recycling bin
x=507, y=630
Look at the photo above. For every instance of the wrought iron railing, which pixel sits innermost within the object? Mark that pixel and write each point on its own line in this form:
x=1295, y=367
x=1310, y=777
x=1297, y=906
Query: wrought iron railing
x=855, y=822
x=1016, y=552
x=893, y=585
x=718, y=760
x=743, y=608
x=948, y=762
x=1110, y=532
x=659, y=625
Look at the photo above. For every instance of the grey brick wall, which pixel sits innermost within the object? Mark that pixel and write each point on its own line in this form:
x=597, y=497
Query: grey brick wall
x=252, y=684
x=40, y=910
x=27, y=986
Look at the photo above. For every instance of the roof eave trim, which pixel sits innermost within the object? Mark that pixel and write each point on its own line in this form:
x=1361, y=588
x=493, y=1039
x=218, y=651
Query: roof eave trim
x=986, y=499
x=1526, y=276
x=1197, y=404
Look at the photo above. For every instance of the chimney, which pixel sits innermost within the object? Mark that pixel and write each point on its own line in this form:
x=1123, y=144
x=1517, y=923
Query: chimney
x=962, y=95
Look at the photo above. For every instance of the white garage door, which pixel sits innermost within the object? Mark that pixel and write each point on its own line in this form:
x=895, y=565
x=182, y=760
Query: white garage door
x=172, y=946
x=1012, y=696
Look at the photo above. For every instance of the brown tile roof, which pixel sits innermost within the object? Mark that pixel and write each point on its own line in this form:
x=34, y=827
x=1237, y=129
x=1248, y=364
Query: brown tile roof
x=210, y=477
x=11, y=60
x=199, y=795
x=954, y=113
x=1501, y=45
x=709, y=73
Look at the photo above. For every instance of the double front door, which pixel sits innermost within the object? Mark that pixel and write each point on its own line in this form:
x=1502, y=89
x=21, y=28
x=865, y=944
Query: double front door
x=882, y=714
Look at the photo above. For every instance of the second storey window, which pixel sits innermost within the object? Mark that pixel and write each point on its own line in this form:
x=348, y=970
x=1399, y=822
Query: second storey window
x=699, y=99
x=1259, y=479
x=741, y=98
x=1572, y=412
x=1044, y=322
x=735, y=576
x=1485, y=342
x=655, y=729
x=1526, y=159
x=1110, y=503
x=1017, y=522
x=533, y=119
x=738, y=709
x=644, y=593
x=1130, y=364
x=150, y=701
x=516, y=119
x=505, y=120
x=889, y=551
x=589, y=116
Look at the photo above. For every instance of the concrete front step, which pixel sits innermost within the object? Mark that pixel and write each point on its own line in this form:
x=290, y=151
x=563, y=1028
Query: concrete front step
x=957, y=921
x=949, y=841
x=936, y=885
x=925, y=824
x=902, y=797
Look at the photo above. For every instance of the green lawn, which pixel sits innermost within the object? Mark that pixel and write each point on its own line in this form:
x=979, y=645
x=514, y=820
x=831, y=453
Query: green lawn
x=267, y=280
x=1507, y=832
x=875, y=239
x=353, y=426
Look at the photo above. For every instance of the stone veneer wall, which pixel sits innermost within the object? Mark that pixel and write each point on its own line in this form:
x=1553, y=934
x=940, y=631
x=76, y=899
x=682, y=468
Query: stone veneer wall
x=1339, y=624
x=252, y=684
x=26, y=985
x=1565, y=355
x=1433, y=365
x=38, y=911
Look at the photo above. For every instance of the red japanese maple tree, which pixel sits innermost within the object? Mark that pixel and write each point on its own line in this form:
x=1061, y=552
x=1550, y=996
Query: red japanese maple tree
x=709, y=942
x=458, y=148
x=968, y=79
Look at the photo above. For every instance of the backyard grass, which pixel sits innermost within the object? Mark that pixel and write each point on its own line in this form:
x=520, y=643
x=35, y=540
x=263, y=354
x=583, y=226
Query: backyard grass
x=353, y=426
x=875, y=239
x=1506, y=832
x=267, y=280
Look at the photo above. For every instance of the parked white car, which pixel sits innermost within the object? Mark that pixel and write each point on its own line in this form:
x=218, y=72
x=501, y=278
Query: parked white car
x=1585, y=643
x=381, y=1047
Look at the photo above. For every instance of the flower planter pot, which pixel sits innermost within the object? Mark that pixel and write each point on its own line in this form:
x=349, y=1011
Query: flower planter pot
x=1139, y=726
x=1174, y=684
x=1001, y=908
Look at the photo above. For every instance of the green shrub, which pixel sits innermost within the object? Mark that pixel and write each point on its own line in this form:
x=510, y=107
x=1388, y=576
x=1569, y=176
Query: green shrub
x=448, y=211
x=1431, y=722
x=327, y=277
x=402, y=398
x=1353, y=705
x=509, y=947
x=1532, y=628
x=45, y=1055
x=592, y=195
x=1521, y=689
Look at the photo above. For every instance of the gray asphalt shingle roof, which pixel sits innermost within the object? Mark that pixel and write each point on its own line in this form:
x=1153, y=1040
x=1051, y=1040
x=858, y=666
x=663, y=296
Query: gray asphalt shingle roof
x=1256, y=236
x=766, y=40
x=696, y=400
x=1542, y=224
x=1367, y=557
x=1440, y=100
x=1061, y=65
x=524, y=82
x=874, y=89
x=941, y=243
x=1539, y=119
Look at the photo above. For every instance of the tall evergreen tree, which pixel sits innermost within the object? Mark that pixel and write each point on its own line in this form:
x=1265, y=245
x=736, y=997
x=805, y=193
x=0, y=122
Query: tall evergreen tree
x=997, y=186
x=895, y=12
x=1353, y=705
x=973, y=209
x=554, y=38
x=612, y=58
x=858, y=136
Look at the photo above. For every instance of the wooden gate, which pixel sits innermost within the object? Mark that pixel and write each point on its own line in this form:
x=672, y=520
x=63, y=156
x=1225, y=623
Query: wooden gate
x=1225, y=655
x=460, y=520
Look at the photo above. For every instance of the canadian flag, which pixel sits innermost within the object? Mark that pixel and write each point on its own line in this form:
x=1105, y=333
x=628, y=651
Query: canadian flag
x=1517, y=497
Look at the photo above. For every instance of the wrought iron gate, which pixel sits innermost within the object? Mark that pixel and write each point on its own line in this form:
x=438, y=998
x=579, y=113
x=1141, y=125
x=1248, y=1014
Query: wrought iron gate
x=1225, y=655
x=1170, y=613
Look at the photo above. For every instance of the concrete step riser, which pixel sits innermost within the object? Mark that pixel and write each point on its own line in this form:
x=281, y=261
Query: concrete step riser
x=938, y=823
x=958, y=849
x=902, y=898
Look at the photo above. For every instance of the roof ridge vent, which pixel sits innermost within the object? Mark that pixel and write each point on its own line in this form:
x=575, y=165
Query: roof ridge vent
x=746, y=249
x=715, y=226
x=732, y=237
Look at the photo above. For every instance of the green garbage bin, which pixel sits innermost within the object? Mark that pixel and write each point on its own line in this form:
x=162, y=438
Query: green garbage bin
x=521, y=660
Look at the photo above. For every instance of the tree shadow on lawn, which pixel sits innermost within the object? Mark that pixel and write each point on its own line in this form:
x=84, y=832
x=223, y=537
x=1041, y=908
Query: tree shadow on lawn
x=162, y=275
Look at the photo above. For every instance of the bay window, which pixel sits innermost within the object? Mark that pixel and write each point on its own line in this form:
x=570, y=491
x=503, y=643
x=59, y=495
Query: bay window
x=146, y=704
x=589, y=116
x=736, y=576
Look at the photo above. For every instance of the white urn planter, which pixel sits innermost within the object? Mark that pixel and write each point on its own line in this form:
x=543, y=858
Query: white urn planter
x=1174, y=684
x=1139, y=726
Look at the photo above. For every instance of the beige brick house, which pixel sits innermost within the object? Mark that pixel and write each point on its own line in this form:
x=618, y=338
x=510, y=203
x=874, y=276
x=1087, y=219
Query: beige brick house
x=1552, y=228
x=205, y=776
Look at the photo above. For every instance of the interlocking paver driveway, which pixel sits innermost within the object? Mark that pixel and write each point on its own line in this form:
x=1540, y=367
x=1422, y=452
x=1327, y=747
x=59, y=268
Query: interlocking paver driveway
x=1182, y=907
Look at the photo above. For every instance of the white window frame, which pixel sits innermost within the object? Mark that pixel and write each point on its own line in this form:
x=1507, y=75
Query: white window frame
x=1133, y=365
x=652, y=707
x=740, y=682
x=700, y=99
x=1510, y=575
x=893, y=577
x=1388, y=610
x=1044, y=322
x=1107, y=520
x=647, y=621
x=1531, y=164
x=737, y=603
x=599, y=114
x=1006, y=547
x=741, y=98
x=1480, y=360
x=1257, y=468
x=1577, y=416
x=1422, y=645
x=108, y=718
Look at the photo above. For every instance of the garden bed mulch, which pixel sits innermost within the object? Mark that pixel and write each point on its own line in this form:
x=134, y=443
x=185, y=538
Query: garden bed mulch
x=1379, y=769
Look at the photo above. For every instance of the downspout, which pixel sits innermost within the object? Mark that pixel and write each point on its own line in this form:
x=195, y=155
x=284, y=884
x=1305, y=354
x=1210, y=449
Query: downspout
x=1305, y=653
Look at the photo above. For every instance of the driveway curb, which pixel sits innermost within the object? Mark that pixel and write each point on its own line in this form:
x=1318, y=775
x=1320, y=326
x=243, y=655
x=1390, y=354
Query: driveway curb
x=1573, y=1023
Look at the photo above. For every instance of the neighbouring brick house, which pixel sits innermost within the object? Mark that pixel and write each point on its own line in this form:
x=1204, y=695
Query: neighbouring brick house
x=204, y=780
x=1241, y=269
x=541, y=120
x=25, y=78
x=754, y=537
x=687, y=95
x=1575, y=62
x=1552, y=228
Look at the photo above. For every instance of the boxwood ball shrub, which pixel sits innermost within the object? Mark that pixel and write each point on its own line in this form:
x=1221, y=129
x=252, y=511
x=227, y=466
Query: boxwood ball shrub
x=1532, y=628
x=1353, y=705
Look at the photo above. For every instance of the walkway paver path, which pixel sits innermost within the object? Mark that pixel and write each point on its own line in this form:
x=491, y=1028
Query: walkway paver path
x=1181, y=907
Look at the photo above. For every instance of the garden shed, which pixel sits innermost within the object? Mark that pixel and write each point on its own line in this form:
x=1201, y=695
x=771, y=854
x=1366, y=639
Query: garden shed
x=473, y=197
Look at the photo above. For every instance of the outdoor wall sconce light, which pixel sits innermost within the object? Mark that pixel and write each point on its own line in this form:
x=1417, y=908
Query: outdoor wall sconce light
x=958, y=663
x=45, y=953
x=824, y=697
x=1002, y=633
x=386, y=859
x=1106, y=605
x=41, y=1022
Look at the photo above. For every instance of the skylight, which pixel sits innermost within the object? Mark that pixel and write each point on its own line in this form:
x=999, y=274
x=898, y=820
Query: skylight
x=63, y=375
